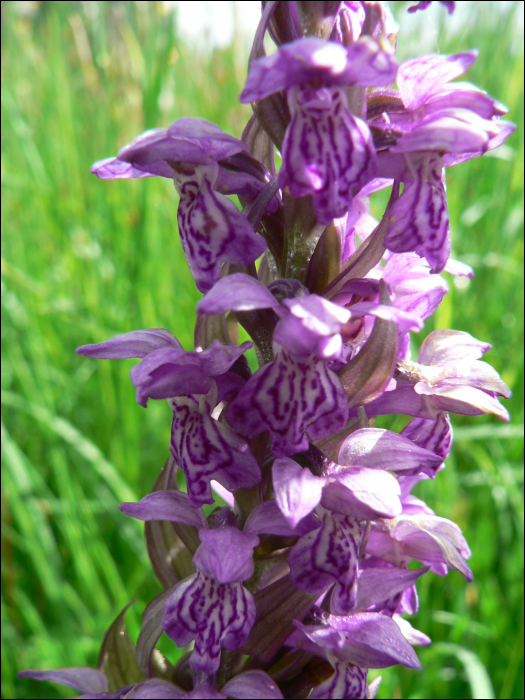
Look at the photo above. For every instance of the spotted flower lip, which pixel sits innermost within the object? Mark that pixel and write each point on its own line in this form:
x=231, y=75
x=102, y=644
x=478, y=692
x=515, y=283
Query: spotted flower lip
x=212, y=230
x=292, y=398
x=213, y=615
x=206, y=449
x=311, y=165
x=326, y=556
x=348, y=681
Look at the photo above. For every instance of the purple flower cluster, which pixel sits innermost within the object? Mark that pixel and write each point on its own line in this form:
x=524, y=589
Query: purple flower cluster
x=298, y=582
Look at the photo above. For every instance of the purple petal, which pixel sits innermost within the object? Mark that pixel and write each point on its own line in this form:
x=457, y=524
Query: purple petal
x=297, y=490
x=348, y=681
x=128, y=345
x=155, y=152
x=226, y=554
x=228, y=386
x=238, y=292
x=202, y=139
x=419, y=219
x=115, y=169
x=403, y=401
x=449, y=346
x=173, y=506
x=212, y=614
x=465, y=401
x=405, y=321
x=327, y=555
x=314, y=60
x=166, y=373
x=268, y=519
x=459, y=269
x=327, y=152
x=420, y=78
x=291, y=399
x=421, y=305
x=371, y=640
x=359, y=287
x=476, y=374
x=432, y=539
x=363, y=493
x=425, y=3
x=407, y=274
x=413, y=636
x=206, y=449
x=448, y=131
x=383, y=449
x=218, y=358
x=252, y=685
x=376, y=585
x=312, y=327
x=83, y=678
x=502, y=132
x=213, y=231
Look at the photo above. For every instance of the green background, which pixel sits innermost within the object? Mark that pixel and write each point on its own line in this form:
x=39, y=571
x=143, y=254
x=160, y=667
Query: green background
x=83, y=260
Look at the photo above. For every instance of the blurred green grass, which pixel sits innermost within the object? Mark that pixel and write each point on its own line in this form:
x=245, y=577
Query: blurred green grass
x=84, y=259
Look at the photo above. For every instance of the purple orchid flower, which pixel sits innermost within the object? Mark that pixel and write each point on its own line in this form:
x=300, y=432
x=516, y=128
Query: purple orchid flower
x=327, y=151
x=435, y=125
x=312, y=549
x=296, y=396
x=211, y=606
x=195, y=383
x=205, y=165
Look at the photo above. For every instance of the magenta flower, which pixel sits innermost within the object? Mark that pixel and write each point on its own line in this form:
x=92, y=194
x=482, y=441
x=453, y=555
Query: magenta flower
x=283, y=526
